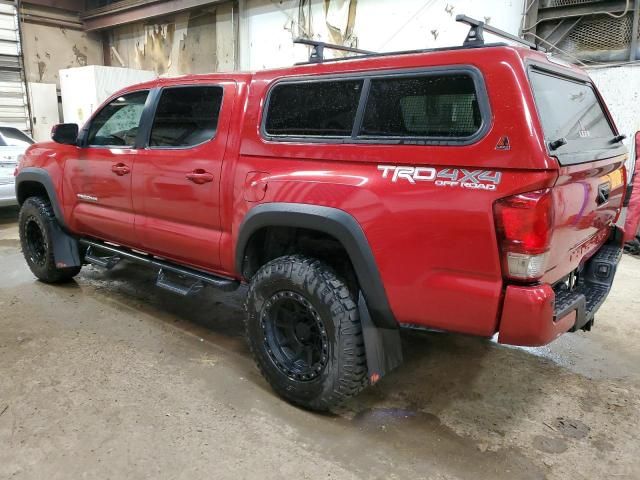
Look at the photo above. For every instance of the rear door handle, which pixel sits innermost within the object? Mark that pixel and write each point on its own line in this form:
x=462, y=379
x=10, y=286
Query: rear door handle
x=200, y=176
x=120, y=169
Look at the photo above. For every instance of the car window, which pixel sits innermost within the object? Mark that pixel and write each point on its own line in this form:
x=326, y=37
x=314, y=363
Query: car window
x=319, y=108
x=422, y=106
x=570, y=109
x=186, y=116
x=116, y=125
x=12, y=137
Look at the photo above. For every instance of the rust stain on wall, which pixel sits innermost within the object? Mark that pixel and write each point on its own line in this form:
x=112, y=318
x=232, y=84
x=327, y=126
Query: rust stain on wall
x=48, y=49
x=186, y=42
x=42, y=68
x=154, y=52
x=198, y=45
x=81, y=58
x=340, y=18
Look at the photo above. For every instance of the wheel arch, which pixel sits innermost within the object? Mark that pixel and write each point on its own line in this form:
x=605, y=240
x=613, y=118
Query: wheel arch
x=333, y=222
x=32, y=181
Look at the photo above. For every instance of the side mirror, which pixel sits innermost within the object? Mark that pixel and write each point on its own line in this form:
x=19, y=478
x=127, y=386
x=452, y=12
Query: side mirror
x=65, y=133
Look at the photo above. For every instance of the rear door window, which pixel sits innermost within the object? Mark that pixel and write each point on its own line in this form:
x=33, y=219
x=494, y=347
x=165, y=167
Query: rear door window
x=427, y=106
x=569, y=109
x=313, y=109
x=186, y=116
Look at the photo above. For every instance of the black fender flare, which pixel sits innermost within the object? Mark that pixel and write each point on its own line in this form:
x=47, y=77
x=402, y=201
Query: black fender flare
x=41, y=176
x=340, y=225
x=66, y=249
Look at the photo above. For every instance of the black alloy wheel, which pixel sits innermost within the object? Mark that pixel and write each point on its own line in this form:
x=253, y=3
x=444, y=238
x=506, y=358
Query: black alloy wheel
x=294, y=336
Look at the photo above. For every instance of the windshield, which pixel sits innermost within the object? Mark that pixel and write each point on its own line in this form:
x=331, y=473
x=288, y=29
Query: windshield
x=12, y=137
x=570, y=110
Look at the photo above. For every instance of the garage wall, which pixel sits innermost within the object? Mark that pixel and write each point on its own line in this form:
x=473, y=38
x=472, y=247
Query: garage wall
x=196, y=41
x=268, y=27
x=620, y=88
x=53, y=40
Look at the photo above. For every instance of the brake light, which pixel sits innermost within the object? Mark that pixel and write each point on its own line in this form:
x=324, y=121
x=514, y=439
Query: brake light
x=524, y=224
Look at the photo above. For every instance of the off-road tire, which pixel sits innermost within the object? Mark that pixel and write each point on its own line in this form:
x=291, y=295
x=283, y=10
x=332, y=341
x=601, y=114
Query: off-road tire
x=36, y=214
x=345, y=372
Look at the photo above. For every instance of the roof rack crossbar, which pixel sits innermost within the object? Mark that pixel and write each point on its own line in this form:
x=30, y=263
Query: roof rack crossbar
x=475, y=36
x=317, y=53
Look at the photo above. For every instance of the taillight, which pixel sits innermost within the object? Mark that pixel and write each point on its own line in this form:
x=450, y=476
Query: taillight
x=524, y=224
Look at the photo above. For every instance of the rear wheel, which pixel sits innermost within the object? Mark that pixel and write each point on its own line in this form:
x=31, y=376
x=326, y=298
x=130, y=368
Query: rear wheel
x=304, y=332
x=36, y=224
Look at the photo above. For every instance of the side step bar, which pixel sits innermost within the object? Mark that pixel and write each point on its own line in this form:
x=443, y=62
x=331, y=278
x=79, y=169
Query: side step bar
x=198, y=277
x=105, y=262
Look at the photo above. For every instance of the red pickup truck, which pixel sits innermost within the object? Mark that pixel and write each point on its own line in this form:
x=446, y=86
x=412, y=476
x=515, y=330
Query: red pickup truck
x=471, y=189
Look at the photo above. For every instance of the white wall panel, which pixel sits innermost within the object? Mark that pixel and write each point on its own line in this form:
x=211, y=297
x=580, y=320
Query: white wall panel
x=83, y=89
x=620, y=88
x=268, y=27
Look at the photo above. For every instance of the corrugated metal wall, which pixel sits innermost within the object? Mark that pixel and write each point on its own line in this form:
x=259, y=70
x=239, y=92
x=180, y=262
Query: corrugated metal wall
x=14, y=108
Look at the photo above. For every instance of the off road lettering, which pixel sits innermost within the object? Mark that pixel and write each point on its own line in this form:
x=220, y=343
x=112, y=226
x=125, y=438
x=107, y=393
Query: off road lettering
x=446, y=177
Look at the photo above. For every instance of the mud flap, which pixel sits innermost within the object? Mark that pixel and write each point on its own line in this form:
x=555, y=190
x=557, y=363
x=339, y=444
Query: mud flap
x=66, y=251
x=382, y=345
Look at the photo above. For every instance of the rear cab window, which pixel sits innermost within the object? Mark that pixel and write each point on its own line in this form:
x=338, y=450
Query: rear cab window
x=436, y=106
x=569, y=109
x=423, y=106
x=314, y=108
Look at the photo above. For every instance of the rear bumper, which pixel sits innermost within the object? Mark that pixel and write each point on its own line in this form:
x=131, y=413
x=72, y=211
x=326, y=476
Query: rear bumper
x=536, y=315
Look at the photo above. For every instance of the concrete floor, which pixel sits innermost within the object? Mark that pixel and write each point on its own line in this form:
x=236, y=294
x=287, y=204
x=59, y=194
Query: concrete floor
x=108, y=377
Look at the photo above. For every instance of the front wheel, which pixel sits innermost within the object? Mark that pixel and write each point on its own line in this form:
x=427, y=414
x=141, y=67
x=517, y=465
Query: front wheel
x=36, y=224
x=304, y=332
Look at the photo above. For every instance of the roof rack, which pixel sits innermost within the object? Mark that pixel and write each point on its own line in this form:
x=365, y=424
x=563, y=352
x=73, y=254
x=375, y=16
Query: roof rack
x=475, y=36
x=317, y=53
x=474, y=39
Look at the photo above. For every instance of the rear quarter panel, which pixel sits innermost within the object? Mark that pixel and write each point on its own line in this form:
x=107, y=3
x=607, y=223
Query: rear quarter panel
x=435, y=246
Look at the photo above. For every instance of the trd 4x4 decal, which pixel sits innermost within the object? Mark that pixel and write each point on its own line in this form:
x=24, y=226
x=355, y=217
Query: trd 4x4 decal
x=446, y=177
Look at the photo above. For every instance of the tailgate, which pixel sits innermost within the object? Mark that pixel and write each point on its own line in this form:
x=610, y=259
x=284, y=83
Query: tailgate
x=589, y=192
x=587, y=201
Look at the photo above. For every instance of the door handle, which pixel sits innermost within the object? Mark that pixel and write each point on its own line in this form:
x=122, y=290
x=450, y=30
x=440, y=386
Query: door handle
x=120, y=169
x=200, y=176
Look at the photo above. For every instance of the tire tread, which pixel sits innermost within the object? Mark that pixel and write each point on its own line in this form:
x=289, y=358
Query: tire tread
x=319, y=279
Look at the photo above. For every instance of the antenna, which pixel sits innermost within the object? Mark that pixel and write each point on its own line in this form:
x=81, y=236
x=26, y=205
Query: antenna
x=475, y=36
x=317, y=53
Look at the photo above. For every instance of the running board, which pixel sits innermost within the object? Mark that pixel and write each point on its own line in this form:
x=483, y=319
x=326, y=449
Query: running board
x=175, y=287
x=199, y=278
x=104, y=262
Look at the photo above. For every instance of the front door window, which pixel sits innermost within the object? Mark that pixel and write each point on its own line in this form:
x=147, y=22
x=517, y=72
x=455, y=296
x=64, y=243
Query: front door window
x=116, y=125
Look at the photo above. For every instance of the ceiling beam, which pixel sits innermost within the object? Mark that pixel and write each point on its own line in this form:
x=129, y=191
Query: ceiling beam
x=130, y=11
x=70, y=5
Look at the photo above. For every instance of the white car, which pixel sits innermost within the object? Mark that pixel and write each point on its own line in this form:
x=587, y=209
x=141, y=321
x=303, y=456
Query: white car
x=13, y=143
